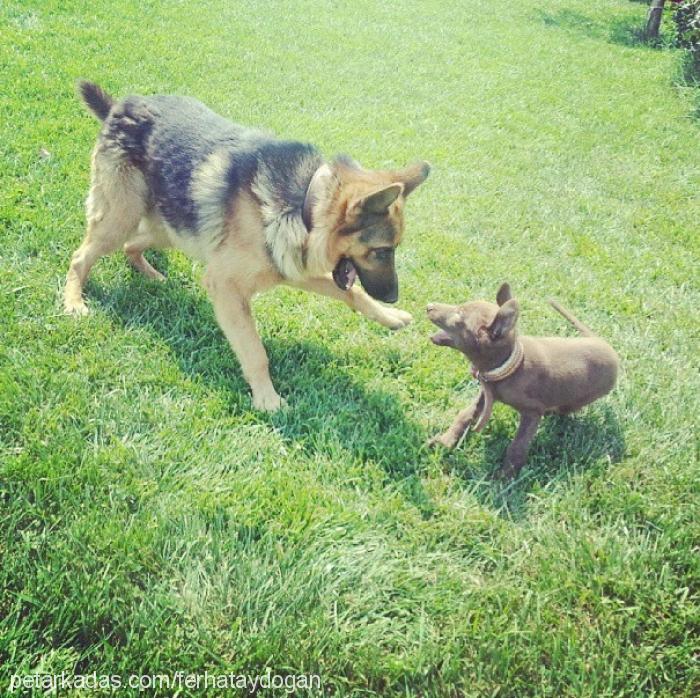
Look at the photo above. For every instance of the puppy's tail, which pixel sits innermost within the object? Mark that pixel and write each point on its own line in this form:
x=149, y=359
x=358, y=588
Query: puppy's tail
x=585, y=331
x=96, y=98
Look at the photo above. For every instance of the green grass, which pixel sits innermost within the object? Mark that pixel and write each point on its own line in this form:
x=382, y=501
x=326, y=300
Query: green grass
x=151, y=522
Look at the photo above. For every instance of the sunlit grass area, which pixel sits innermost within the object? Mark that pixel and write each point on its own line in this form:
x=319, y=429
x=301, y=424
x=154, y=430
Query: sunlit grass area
x=152, y=522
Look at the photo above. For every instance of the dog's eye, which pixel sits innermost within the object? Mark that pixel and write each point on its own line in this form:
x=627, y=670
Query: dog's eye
x=383, y=254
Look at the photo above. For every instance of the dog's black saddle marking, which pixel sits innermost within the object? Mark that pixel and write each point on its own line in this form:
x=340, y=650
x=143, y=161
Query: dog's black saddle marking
x=169, y=137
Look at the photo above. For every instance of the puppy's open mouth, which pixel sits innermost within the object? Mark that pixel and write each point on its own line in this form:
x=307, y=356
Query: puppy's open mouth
x=344, y=274
x=441, y=338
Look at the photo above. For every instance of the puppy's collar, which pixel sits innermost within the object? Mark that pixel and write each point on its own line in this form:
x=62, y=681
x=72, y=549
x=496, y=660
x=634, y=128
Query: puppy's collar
x=506, y=369
x=312, y=194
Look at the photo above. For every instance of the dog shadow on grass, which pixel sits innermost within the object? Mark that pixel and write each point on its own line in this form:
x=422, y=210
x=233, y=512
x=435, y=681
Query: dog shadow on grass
x=563, y=447
x=330, y=411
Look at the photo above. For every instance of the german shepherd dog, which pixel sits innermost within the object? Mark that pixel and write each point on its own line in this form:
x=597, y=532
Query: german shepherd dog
x=257, y=211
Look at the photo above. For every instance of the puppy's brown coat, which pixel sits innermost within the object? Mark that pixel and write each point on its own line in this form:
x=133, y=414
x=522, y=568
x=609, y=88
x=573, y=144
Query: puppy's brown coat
x=554, y=374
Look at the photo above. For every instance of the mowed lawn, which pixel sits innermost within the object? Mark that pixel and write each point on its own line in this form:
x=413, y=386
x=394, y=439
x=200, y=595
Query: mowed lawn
x=152, y=522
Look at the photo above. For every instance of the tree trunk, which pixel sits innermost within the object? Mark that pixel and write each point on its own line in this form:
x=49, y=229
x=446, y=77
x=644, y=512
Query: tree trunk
x=654, y=19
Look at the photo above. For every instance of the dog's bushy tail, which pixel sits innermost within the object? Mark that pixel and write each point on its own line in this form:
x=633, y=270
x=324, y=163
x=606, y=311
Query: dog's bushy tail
x=96, y=98
x=586, y=331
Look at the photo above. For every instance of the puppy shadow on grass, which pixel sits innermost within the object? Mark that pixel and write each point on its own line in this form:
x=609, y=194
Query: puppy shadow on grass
x=329, y=411
x=332, y=413
x=562, y=447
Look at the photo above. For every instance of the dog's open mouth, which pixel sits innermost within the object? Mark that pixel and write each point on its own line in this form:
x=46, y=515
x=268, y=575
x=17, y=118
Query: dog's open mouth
x=441, y=338
x=344, y=274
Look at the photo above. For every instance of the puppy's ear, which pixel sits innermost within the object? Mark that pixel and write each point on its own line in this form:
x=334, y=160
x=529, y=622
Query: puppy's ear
x=505, y=319
x=413, y=176
x=503, y=294
x=378, y=201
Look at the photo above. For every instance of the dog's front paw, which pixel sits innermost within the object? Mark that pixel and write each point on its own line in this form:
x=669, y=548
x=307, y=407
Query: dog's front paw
x=75, y=307
x=268, y=401
x=445, y=440
x=395, y=319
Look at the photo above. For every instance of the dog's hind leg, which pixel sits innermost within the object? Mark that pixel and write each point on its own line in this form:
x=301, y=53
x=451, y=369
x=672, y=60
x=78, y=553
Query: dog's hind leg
x=148, y=235
x=114, y=206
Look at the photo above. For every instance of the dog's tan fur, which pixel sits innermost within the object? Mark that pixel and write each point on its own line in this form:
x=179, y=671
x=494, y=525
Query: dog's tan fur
x=238, y=263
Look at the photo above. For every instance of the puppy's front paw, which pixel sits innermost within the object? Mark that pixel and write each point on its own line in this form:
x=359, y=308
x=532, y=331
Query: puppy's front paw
x=508, y=470
x=505, y=473
x=445, y=440
x=395, y=319
x=268, y=401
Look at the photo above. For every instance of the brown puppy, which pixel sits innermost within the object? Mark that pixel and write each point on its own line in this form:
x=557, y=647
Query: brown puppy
x=255, y=210
x=535, y=375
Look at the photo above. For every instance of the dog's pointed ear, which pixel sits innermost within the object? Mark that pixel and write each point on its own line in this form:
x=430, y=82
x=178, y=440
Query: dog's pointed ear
x=505, y=319
x=503, y=294
x=379, y=200
x=413, y=176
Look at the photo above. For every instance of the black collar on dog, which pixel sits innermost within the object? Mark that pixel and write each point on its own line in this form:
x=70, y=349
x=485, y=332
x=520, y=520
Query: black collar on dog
x=312, y=194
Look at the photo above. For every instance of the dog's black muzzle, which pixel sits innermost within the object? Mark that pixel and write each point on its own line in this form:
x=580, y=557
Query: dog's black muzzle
x=382, y=284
